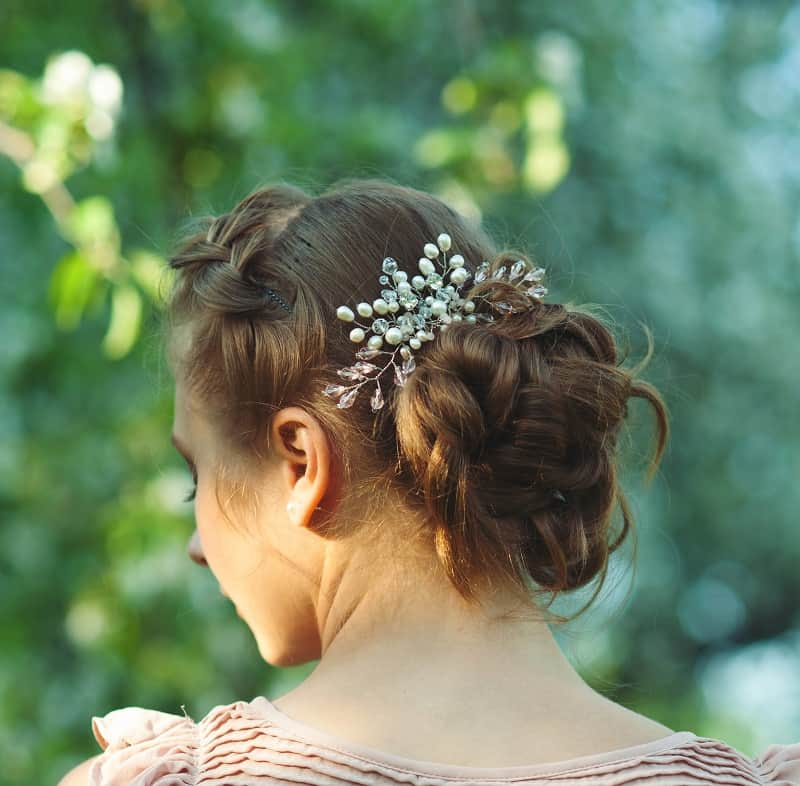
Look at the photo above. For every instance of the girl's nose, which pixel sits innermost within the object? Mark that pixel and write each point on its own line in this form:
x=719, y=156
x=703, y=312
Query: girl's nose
x=195, y=549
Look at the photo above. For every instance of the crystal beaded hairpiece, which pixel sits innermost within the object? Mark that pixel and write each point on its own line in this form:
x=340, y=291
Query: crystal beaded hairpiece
x=422, y=314
x=416, y=325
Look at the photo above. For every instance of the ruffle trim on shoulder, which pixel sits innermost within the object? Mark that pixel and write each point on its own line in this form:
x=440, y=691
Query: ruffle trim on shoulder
x=779, y=765
x=143, y=747
x=249, y=743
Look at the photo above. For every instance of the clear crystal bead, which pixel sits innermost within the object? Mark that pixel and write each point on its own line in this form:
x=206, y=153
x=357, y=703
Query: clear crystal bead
x=367, y=354
x=504, y=307
x=443, y=295
x=433, y=280
x=348, y=398
x=376, y=402
x=537, y=291
x=500, y=272
x=517, y=269
x=418, y=320
x=480, y=273
x=408, y=300
x=384, y=280
x=409, y=364
x=389, y=295
x=399, y=376
x=334, y=390
x=350, y=374
x=365, y=368
x=534, y=275
x=389, y=265
x=380, y=326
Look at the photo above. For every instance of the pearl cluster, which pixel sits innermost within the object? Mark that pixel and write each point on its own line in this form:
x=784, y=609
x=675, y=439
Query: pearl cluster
x=422, y=313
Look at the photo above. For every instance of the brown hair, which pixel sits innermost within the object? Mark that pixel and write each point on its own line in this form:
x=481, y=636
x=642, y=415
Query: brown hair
x=494, y=419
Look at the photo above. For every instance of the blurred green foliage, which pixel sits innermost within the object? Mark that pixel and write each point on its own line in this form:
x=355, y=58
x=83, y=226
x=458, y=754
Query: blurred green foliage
x=645, y=151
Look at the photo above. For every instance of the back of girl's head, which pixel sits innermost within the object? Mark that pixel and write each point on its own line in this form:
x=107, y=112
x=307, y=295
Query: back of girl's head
x=498, y=455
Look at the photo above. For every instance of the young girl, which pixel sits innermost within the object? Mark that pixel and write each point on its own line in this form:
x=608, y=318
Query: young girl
x=403, y=452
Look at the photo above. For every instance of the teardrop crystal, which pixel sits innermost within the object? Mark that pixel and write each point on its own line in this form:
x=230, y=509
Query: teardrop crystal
x=534, y=275
x=348, y=398
x=500, y=272
x=399, y=376
x=389, y=265
x=350, y=374
x=409, y=364
x=517, y=269
x=334, y=390
x=504, y=307
x=365, y=368
x=376, y=402
x=367, y=354
x=480, y=273
x=537, y=291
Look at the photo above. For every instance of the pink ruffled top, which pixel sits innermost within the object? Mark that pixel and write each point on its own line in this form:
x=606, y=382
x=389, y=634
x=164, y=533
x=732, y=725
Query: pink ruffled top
x=254, y=744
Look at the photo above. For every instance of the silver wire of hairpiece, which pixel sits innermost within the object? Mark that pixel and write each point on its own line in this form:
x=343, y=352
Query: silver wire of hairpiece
x=423, y=313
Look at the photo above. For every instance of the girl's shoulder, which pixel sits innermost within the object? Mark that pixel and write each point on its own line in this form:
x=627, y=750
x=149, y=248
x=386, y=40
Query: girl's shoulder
x=250, y=740
x=150, y=747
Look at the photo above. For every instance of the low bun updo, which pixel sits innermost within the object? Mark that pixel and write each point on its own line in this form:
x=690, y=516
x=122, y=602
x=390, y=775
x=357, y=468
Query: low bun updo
x=503, y=440
x=511, y=429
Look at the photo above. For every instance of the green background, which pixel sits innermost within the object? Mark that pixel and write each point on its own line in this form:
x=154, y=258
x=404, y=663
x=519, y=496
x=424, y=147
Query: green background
x=646, y=153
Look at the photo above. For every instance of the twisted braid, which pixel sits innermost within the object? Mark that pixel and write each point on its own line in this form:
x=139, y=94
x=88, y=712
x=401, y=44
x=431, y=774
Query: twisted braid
x=228, y=257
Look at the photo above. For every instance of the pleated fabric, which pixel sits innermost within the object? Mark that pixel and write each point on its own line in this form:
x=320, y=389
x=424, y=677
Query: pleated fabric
x=255, y=744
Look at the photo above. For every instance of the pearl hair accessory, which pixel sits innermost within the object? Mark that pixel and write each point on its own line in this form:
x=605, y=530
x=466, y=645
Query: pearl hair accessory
x=423, y=313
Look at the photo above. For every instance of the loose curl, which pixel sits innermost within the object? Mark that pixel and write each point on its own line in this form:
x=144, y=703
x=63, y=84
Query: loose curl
x=494, y=420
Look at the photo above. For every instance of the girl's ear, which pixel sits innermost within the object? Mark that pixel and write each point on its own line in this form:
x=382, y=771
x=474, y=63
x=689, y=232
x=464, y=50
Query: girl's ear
x=304, y=451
